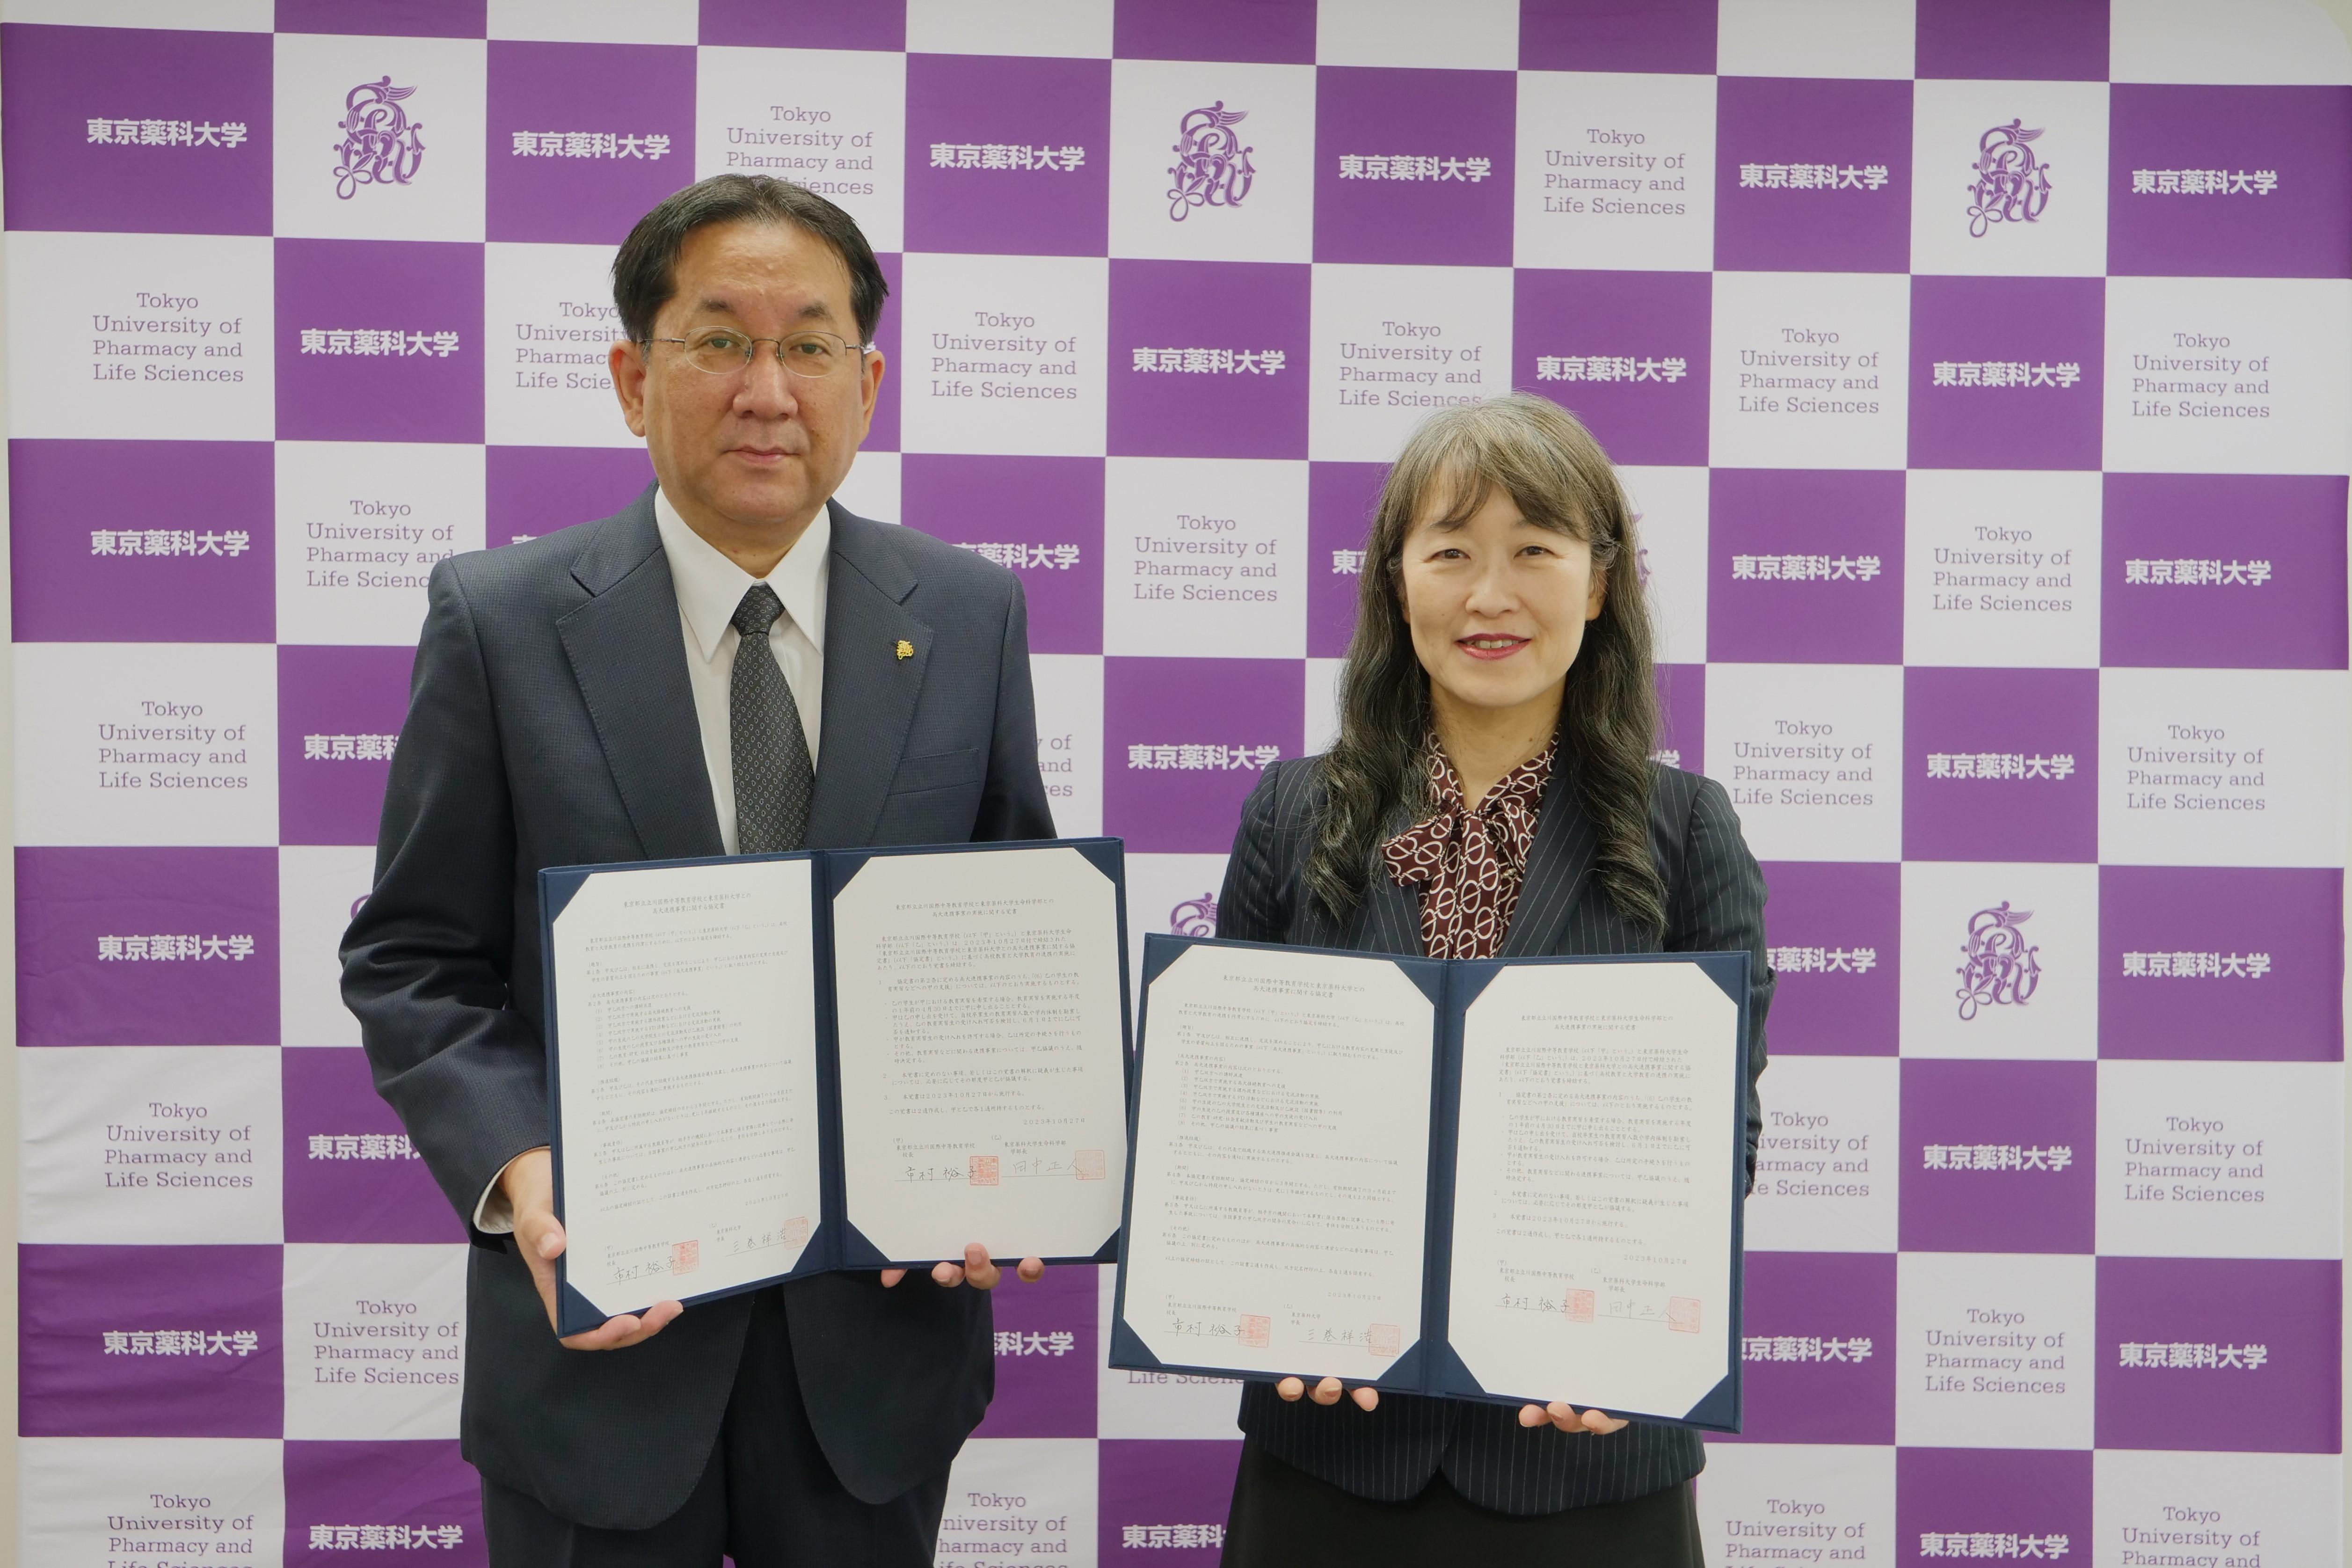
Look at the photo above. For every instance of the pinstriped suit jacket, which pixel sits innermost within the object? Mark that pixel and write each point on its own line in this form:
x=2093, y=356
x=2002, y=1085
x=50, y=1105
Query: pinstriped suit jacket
x=1715, y=902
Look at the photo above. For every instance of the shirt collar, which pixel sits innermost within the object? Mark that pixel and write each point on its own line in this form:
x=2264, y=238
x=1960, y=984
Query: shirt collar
x=710, y=586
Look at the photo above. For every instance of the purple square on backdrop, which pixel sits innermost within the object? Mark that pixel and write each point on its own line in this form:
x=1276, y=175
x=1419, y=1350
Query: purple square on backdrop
x=1279, y=31
x=74, y=1382
x=2301, y=135
x=1682, y=716
x=1833, y=930
x=2288, y=923
x=420, y=1485
x=2290, y=1309
x=2006, y=372
x=882, y=435
x=201, y=567
x=1159, y=409
x=1777, y=224
x=1411, y=187
x=2013, y=40
x=343, y=386
x=2045, y=1111
x=1339, y=502
x=589, y=193
x=392, y=18
x=805, y=24
x=2037, y=1493
x=2042, y=722
x=1165, y=1486
x=1618, y=35
x=1804, y=566
x=532, y=491
x=2234, y=527
x=363, y=1182
x=85, y=917
x=1050, y=510
x=339, y=712
x=1829, y=1320
x=1045, y=1358
x=1156, y=711
x=1624, y=352
x=206, y=97
x=1002, y=197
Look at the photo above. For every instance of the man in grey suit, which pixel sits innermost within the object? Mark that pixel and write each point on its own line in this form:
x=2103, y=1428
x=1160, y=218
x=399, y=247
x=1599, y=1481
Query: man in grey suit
x=734, y=663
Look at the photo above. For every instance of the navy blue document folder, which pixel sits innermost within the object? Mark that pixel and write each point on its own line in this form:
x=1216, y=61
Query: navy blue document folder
x=946, y=1022
x=1713, y=1173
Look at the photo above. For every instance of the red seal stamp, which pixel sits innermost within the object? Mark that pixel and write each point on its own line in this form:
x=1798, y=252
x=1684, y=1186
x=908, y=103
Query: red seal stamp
x=1579, y=1304
x=1088, y=1162
x=1682, y=1314
x=1381, y=1339
x=1257, y=1333
x=983, y=1170
x=685, y=1257
x=796, y=1229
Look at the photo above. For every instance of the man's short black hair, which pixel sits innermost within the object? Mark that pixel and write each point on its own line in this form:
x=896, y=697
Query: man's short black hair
x=644, y=272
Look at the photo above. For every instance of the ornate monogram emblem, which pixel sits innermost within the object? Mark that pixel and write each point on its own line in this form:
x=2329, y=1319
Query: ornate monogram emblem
x=2013, y=186
x=381, y=144
x=1194, y=917
x=1999, y=968
x=1213, y=168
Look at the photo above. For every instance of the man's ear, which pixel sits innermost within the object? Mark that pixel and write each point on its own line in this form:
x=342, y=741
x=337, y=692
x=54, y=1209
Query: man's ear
x=626, y=362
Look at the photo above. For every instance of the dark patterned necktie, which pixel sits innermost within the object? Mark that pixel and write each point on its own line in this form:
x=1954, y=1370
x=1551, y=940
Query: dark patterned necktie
x=773, y=777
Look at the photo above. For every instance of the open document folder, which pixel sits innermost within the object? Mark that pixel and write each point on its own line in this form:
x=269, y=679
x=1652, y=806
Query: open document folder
x=770, y=1066
x=1507, y=1180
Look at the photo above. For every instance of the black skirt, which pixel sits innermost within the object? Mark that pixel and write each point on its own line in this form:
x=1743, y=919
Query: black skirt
x=1284, y=1518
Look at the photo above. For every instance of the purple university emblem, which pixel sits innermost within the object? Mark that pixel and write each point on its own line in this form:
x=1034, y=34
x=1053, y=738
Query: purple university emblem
x=380, y=144
x=1213, y=168
x=2013, y=186
x=1194, y=917
x=1999, y=967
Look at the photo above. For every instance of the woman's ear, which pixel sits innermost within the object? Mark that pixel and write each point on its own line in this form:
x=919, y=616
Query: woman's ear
x=1598, y=595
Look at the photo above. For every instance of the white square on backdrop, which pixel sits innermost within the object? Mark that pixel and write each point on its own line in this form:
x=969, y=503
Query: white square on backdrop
x=2038, y=533
x=1004, y=354
x=320, y=889
x=2220, y=1159
x=71, y=1488
x=1322, y=704
x=1851, y=1484
x=215, y=16
x=1079, y=28
x=2222, y=767
x=2259, y=43
x=109, y=339
x=548, y=325
x=1204, y=557
x=1593, y=144
x=870, y=488
x=360, y=526
x=1174, y=895
x=2228, y=375
x=2281, y=1508
x=2054, y=909
x=1812, y=755
x=2044, y=210
x=1827, y=1167
x=1468, y=34
x=1390, y=345
x=424, y=185
x=1671, y=508
x=1815, y=37
x=1159, y=1405
x=1947, y=1305
x=1266, y=111
x=180, y=739
x=595, y=21
x=832, y=120
x=98, y=1122
x=1811, y=370
x=1068, y=687
x=1037, y=1488
x=340, y=1301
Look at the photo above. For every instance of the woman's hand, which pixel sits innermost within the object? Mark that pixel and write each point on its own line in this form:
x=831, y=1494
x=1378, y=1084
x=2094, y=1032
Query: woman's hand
x=1326, y=1391
x=1565, y=1417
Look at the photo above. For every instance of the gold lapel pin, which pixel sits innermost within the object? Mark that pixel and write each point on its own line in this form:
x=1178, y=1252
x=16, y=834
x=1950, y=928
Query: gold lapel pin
x=906, y=648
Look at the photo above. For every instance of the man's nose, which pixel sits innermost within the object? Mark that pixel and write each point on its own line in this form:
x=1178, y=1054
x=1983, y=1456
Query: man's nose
x=767, y=391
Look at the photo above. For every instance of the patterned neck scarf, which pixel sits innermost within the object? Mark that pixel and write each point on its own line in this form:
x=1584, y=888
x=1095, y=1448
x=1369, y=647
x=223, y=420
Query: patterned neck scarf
x=1469, y=863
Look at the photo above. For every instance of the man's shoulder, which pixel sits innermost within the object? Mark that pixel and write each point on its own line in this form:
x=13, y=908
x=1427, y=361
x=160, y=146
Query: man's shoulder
x=538, y=571
x=927, y=558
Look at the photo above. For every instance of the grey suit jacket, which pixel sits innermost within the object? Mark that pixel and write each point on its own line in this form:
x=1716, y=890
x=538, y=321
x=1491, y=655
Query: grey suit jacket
x=1715, y=902
x=550, y=722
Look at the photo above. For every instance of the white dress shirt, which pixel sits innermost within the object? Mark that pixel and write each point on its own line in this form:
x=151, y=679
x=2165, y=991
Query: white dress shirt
x=709, y=587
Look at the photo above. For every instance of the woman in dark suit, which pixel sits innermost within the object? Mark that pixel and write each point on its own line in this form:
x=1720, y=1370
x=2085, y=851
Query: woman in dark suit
x=1491, y=794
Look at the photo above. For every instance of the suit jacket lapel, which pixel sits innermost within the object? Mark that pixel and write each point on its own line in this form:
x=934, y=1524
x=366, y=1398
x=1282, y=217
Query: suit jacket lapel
x=628, y=654
x=1558, y=864
x=869, y=689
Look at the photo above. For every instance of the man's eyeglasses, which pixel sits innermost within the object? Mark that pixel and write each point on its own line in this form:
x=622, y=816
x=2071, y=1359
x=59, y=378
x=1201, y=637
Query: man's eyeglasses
x=723, y=350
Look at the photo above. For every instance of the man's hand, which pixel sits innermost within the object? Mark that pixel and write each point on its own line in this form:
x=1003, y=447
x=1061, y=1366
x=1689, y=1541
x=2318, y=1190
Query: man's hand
x=975, y=1269
x=1366, y=1397
x=529, y=1183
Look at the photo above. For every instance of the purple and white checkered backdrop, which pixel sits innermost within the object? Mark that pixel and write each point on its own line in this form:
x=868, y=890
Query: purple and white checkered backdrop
x=1978, y=369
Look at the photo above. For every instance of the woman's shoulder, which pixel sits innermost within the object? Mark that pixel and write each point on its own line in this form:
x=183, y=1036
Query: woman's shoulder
x=1680, y=800
x=1288, y=798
